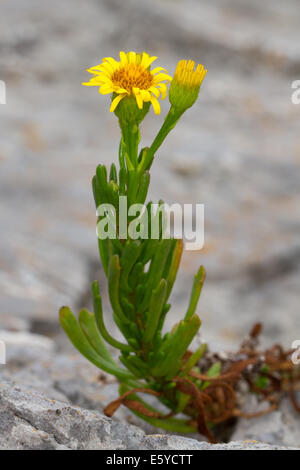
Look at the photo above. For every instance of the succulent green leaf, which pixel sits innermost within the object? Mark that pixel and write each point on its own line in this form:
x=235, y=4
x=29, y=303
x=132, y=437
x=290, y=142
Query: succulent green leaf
x=89, y=327
x=127, y=307
x=196, y=291
x=155, y=271
x=213, y=371
x=113, y=287
x=112, y=192
x=183, y=400
x=113, y=173
x=105, y=251
x=137, y=275
x=194, y=358
x=149, y=248
x=133, y=185
x=101, y=175
x=122, y=181
x=100, y=322
x=96, y=192
x=130, y=254
x=72, y=328
x=174, y=265
x=143, y=188
x=155, y=309
x=175, y=346
x=128, y=363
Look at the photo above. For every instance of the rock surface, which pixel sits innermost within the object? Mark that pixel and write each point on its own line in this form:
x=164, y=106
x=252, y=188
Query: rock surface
x=31, y=389
x=283, y=425
x=31, y=421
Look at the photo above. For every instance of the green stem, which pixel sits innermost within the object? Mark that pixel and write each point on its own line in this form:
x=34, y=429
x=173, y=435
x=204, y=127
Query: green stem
x=131, y=137
x=169, y=124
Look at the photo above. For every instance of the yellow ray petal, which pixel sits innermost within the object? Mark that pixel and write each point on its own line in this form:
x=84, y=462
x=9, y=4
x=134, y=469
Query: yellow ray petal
x=123, y=57
x=156, y=105
x=131, y=57
x=139, y=97
x=115, y=102
x=108, y=68
x=157, y=69
x=118, y=89
x=112, y=62
x=105, y=89
x=163, y=89
x=103, y=68
x=95, y=70
x=162, y=76
x=88, y=84
x=147, y=60
x=139, y=100
x=155, y=91
x=146, y=95
x=93, y=82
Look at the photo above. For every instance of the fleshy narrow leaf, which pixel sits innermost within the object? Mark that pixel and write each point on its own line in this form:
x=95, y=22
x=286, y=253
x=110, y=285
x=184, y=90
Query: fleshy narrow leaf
x=99, y=184
x=101, y=175
x=113, y=173
x=122, y=181
x=213, y=371
x=127, y=307
x=143, y=188
x=100, y=322
x=137, y=275
x=155, y=271
x=196, y=291
x=160, y=326
x=112, y=192
x=89, y=327
x=72, y=328
x=155, y=309
x=194, y=358
x=174, y=265
x=130, y=254
x=134, y=365
x=175, y=347
x=96, y=193
x=149, y=248
x=104, y=250
x=113, y=287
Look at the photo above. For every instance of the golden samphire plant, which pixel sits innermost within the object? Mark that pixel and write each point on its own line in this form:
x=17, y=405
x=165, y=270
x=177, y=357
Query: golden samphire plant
x=141, y=271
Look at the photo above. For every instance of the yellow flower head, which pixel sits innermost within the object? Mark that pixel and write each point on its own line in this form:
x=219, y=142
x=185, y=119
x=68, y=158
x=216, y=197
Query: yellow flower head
x=184, y=89
x=131, y=76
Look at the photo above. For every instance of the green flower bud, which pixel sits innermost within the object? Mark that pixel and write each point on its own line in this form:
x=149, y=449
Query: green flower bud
x=185, y=86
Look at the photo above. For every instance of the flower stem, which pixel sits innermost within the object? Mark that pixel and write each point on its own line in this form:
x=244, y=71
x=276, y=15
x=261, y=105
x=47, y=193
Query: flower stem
x=169, y=124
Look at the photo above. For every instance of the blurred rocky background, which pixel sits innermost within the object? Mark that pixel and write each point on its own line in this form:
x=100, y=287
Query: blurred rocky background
x=237, y=151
